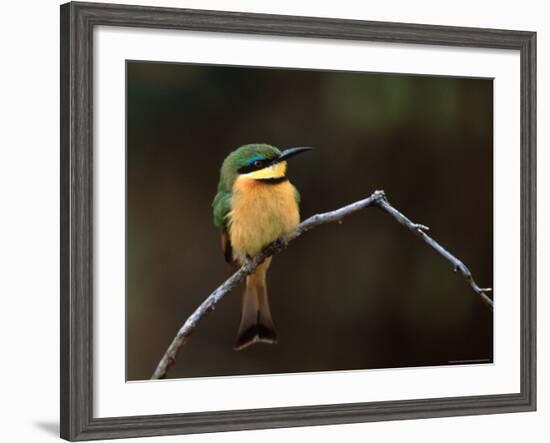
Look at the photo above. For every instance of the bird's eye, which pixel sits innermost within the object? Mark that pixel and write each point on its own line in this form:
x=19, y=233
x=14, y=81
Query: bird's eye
x=258, y=163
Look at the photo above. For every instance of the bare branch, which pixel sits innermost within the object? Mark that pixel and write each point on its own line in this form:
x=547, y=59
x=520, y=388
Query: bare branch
x=419, y=230
x=378, y=198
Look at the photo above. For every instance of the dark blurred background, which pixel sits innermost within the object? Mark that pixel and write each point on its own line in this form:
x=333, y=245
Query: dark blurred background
x=363, y=294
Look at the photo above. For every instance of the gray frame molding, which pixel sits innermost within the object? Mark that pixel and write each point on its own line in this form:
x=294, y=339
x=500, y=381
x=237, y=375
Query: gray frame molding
x=77, y=24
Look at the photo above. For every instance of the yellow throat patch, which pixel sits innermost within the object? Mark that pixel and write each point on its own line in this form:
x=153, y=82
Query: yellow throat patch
x=274, y=171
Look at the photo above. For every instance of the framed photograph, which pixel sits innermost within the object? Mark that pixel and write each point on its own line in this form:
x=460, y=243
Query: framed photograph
x=261, y=216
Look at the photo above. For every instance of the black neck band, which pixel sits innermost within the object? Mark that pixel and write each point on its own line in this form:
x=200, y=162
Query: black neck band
x=273, y=181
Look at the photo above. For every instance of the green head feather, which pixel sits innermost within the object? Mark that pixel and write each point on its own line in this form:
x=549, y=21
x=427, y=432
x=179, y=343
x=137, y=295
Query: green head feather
x=237, y=159
x=243, y=156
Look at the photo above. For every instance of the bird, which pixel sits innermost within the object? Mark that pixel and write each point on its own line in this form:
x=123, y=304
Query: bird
x=255, y=204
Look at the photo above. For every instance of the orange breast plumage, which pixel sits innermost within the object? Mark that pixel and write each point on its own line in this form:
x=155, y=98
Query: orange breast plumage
x=260, y=213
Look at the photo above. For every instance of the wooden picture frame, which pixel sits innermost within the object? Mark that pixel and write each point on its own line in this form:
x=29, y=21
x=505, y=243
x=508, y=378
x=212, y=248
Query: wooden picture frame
x=77, y=23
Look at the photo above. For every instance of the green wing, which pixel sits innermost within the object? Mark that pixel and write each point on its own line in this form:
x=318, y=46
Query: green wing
x=220, y=209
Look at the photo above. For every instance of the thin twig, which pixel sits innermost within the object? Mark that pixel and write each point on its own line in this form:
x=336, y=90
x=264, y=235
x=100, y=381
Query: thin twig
x=378, y=198
x=420, y=231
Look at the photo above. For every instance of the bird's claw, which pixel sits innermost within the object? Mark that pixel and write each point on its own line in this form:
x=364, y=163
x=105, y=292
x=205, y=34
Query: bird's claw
x=281, y=243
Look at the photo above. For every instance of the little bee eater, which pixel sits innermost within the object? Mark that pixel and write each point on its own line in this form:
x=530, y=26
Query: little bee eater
x=254, y=206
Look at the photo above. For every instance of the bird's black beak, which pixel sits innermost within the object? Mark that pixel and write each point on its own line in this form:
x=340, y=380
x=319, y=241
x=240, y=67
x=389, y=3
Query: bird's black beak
x=291, y=152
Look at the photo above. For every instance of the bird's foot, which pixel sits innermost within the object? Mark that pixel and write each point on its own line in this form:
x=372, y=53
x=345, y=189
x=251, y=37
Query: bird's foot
x=280, y=243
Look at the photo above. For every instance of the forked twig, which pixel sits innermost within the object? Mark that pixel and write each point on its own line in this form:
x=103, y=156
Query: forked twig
x=378, y=198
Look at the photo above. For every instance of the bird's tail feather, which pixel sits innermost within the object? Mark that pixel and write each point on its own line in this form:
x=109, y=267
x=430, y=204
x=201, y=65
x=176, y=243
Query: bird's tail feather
x=256, y=322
